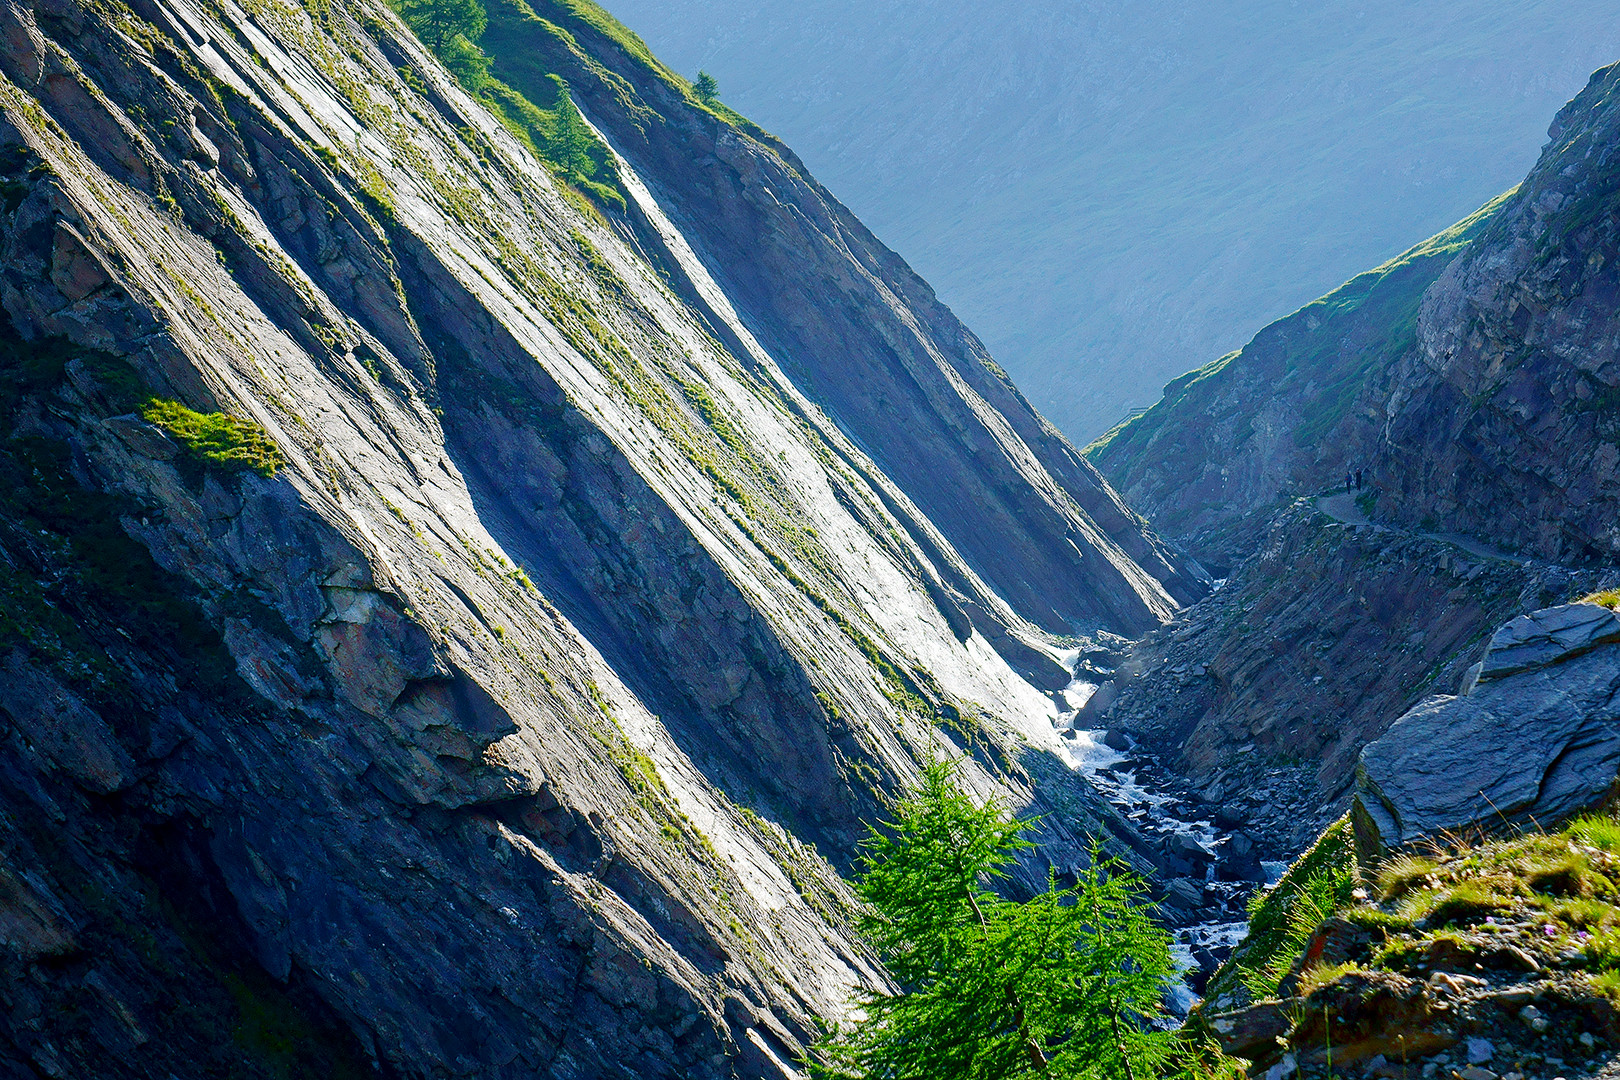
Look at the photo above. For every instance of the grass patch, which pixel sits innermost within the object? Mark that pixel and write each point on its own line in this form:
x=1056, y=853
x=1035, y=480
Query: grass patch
x=1318, y=977
x=1539, y=904
x=1282, y=918
x=1465, y=904
x=1403, y=874
x=219, y=439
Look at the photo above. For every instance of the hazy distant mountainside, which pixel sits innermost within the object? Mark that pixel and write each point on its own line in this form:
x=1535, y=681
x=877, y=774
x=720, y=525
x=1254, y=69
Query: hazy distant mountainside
x=1110, y=194
x=464, y=583
x=1473, y=378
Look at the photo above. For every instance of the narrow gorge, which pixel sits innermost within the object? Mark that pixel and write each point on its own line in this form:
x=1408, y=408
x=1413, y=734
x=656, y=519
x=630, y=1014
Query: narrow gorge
x=462, y=603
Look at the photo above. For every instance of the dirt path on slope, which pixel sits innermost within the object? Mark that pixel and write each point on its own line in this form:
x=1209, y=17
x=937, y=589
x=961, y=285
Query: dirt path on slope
x=1342, y=508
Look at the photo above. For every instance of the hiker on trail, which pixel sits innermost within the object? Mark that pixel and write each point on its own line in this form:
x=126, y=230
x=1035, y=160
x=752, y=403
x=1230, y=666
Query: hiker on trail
x=1349, y=477
x=1358, y=479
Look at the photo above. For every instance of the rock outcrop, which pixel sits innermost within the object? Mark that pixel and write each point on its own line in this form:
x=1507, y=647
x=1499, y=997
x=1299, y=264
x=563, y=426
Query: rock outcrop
x=454, y=628
x=1537, y=738
x=1502, y=421
x=1546, y=637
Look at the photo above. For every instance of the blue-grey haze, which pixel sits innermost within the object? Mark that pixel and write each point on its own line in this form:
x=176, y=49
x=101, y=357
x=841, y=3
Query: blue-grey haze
x=1112, y=193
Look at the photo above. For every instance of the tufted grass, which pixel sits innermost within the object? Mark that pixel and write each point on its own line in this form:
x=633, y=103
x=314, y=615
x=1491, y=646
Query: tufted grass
x=1596, y=831
x=219, y=439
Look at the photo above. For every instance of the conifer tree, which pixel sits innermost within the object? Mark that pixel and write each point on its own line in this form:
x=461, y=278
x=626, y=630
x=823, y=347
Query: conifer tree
x=706, y=88
x=993, y=989
x=573, y=138
x=439, y=22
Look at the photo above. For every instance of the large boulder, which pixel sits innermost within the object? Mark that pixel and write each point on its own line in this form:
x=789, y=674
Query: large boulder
x=1548, y=636
x=1536, y=744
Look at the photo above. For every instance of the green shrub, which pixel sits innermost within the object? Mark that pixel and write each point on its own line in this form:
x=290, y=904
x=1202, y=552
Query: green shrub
x=1603, y=951
x=218, y=439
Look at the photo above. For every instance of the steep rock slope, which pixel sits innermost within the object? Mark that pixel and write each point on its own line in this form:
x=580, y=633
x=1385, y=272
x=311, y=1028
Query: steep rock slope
x=1502, y=421
x=863, y=336
x=441, y=637
x=1287, y=414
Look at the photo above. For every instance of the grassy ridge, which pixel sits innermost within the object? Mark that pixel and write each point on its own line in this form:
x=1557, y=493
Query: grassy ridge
x=1326, y=351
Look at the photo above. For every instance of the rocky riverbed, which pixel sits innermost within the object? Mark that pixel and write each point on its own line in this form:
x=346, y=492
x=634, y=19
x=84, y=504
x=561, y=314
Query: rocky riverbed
x=1210, y=864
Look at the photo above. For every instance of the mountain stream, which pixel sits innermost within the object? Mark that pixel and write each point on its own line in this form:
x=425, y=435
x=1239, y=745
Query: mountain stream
x=1209, y=875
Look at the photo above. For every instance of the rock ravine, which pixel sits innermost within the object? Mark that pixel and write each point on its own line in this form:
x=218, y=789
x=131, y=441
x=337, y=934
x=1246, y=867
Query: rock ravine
x=458, y=616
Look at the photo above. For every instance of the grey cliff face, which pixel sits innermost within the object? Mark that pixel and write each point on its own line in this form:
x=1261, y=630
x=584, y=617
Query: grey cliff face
x=1503, y=420
x=581, y=584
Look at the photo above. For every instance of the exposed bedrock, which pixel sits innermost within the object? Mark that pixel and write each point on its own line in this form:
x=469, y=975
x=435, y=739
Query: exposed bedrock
x=1539, y=740
x=1263, y=695
x=453, y=629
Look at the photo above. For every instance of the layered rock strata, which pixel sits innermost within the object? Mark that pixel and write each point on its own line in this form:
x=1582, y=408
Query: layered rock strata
x=453, y=628
x=1262, y=696
x=1536, y=738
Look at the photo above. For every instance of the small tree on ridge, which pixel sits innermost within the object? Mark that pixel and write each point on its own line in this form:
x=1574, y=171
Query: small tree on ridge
x=706, y=88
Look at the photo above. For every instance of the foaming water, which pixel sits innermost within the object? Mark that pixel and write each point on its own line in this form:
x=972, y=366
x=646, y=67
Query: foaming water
x=1120, y=776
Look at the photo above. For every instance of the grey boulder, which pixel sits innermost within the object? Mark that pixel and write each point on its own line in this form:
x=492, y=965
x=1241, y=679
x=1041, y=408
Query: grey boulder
x=1536, y=746
x=1547, y=637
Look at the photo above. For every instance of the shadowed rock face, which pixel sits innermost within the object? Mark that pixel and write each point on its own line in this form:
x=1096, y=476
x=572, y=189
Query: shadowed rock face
x=1287, y=415
x=510, y=718
x=1473, y=378
x=1503, y=420
x=1263, y=695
